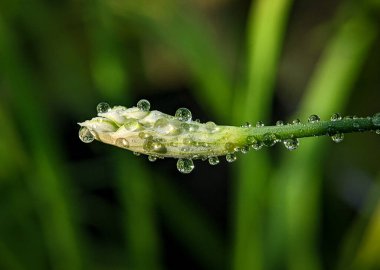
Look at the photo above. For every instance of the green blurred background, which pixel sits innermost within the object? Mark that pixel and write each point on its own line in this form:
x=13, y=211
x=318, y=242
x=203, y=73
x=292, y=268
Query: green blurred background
x=67, y=205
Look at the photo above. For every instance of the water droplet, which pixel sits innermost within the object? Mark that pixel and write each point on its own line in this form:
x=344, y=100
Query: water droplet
x=259, y=124
x=376, y=119
x=183, y=114
x=336, y=117
x=296, y=121
x=143, y=105
x=213, y=160
x=348, y=117
x=313, y=118
x=103, y=107
x=246, y=125
x=377, y=131
x=152, y=158
x=85, y=135
x=197, y=120
x=291, y=144
x=159, y=147
x=279, y=123
x=187, y=141
x=244, y=149
x=185, y=165
x=211, y=127
x=230, y=147
x=144, y=135
x=122, y=142
x=136, y=154
x=269, y=139
x=337, y=137
x=356, y=125
x=230, y=157
x=131, y=124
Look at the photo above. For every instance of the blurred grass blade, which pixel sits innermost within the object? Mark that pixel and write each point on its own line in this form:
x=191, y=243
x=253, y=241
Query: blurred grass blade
x=264, y=45
x=297, y=182
x=46, y=178
x=136, y=193
x=184, y=30
x=191, y=227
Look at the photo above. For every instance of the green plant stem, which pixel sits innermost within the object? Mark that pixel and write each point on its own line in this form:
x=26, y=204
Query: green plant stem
x=315, y=129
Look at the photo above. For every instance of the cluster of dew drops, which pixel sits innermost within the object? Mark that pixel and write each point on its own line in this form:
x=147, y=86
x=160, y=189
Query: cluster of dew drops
x=186, y=165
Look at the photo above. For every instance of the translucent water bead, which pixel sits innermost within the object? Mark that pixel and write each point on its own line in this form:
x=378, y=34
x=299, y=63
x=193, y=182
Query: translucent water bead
x=185, y=165
x=291, y=144
x=313, y=118
x=103, y=107
x=213, y=160
x=183, y=114
x=85, y=135
x=143, y=105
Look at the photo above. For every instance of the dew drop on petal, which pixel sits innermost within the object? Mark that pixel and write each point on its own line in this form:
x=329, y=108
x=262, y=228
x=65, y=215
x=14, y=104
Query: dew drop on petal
x=313, y=118
x=152, y=158
x=185, y=165
x=103, y=107
x=143, y=105
x=213, y=160
x=85, y=135
x=336, y=117
x=337, y=137
x=231, y=157
x=122, y=142
x=291, y=144
x=183, y=114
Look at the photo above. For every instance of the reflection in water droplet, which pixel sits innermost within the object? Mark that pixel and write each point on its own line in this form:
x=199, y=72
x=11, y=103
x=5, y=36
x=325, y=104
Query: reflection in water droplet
x=244, y=149
x=122, y=142
x=313, y=118
x=269, y=139
x=296, y=121
x=231, y=157
x=185, y=165
x=183, y=114
x=291, y=144
x=376, y=119
x=259, y=124
x=211, y=127
x=152, y=158
x=337, y=137
x=213, y=160
x=103, y=107
x=131, y=124
x=336, y=117
x=143, y=105
x=279, y=123
x=230, y=147
x=85, y=135
x=246, y=125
